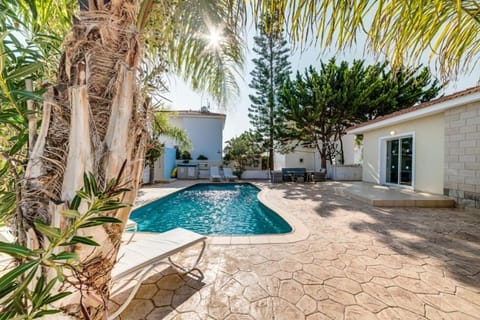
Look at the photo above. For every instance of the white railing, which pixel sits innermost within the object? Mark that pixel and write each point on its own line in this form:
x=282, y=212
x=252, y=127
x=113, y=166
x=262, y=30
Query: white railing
x=255, y=175
x=347, y=172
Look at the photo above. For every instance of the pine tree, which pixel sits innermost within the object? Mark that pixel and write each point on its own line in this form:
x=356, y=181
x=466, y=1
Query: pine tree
x=272, y=68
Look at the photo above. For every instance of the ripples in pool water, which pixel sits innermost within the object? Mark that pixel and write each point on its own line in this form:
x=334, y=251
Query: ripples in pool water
x=220, y=209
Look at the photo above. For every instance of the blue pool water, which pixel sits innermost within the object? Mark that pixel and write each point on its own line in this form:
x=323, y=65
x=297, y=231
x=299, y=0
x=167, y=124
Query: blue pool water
x=211, y=209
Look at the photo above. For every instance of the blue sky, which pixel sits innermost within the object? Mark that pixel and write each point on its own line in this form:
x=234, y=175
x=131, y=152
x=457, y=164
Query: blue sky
x=183, y=98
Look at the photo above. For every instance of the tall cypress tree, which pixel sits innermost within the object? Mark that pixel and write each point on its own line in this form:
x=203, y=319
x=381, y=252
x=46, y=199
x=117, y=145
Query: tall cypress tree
x=271, y=69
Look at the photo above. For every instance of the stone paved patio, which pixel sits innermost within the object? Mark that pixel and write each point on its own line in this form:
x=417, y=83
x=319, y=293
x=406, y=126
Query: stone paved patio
x=359, y=262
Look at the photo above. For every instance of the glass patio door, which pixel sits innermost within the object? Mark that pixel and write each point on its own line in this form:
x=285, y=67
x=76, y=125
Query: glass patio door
x=399, y=159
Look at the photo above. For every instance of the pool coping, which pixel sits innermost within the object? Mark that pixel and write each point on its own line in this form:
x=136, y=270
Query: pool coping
x=299, y=230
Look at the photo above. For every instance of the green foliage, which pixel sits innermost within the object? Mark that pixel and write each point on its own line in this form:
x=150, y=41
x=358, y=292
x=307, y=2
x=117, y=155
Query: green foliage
x=202, y=157
x=319, y=105
x=406, y=32
x=177, y=36
x=163, y=127
x=39, y=27
x=154, y=151
x=31, y=33
x=243, y=150
x=271, y=69
x=186, y=155
x=178, y=153
x=25, y=292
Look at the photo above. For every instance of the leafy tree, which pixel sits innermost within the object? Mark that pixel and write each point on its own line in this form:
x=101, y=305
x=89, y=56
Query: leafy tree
x=389, y=90
x=319, y=105
x=19, y=298
x=243, y=150
x=270, y=71
x=308, y=118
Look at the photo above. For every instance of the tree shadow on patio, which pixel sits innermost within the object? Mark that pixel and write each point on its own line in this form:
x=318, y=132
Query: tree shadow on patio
x=447, y=239
x=448, y=236
x=323, y=195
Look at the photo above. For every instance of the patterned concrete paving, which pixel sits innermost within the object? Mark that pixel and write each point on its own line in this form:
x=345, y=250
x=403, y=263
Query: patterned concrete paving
x=359, y=262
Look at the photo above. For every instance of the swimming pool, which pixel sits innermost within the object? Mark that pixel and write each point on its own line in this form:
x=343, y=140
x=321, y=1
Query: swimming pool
x=211, y=209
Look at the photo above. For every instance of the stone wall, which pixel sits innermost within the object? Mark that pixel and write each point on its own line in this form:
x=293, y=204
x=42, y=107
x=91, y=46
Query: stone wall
x=462, y=155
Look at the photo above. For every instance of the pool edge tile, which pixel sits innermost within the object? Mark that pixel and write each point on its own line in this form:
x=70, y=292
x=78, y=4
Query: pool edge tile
x=260, y=239
x=240, y=240
x=220, y=240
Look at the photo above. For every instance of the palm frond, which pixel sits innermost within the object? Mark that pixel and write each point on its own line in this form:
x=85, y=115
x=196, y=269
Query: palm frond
x=403, y=31
x=163, y=127
x=177, y=32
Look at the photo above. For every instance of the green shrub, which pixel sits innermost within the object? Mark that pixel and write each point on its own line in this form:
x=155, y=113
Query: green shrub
x=186, y=155
x=19, y=298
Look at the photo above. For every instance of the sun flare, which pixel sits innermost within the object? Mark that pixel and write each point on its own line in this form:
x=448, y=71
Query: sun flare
x=214, y=38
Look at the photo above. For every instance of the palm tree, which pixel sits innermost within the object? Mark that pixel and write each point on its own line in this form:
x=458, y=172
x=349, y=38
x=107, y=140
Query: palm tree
x=94, y=116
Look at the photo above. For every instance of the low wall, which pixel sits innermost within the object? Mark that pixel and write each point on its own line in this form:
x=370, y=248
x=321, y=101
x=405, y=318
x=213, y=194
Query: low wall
x=255, y=175
x=347, y=172
x=203, y=166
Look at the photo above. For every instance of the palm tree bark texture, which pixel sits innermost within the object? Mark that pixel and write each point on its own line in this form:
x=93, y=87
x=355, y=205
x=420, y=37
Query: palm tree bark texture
x=93, y=121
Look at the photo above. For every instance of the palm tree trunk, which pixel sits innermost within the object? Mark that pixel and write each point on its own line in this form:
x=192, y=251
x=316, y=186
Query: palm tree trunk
x=93, y=120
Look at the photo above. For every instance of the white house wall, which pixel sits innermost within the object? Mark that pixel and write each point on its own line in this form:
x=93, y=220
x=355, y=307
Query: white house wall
x=428, y=157
x=279, y=161
x=206, y=135
x=158, y=174
x=350, y=152
x=293, y=159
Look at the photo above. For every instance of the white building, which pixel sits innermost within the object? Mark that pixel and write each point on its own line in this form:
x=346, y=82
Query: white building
x=431, y=147
x=309, y=158
x=205, y=130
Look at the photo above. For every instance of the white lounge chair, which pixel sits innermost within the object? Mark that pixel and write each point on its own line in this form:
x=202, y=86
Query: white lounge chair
x=5, y=260
x=215, y=174
x=228, y=174
x=138, y=258
x=6, y=235
x=132, y=226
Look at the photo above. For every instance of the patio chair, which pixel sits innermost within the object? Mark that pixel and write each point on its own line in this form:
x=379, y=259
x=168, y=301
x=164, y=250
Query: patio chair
x=5, y=259
x=6, y=235
x=132, y=226
x=138, y=258
x=228, y=174
x=215, y=174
